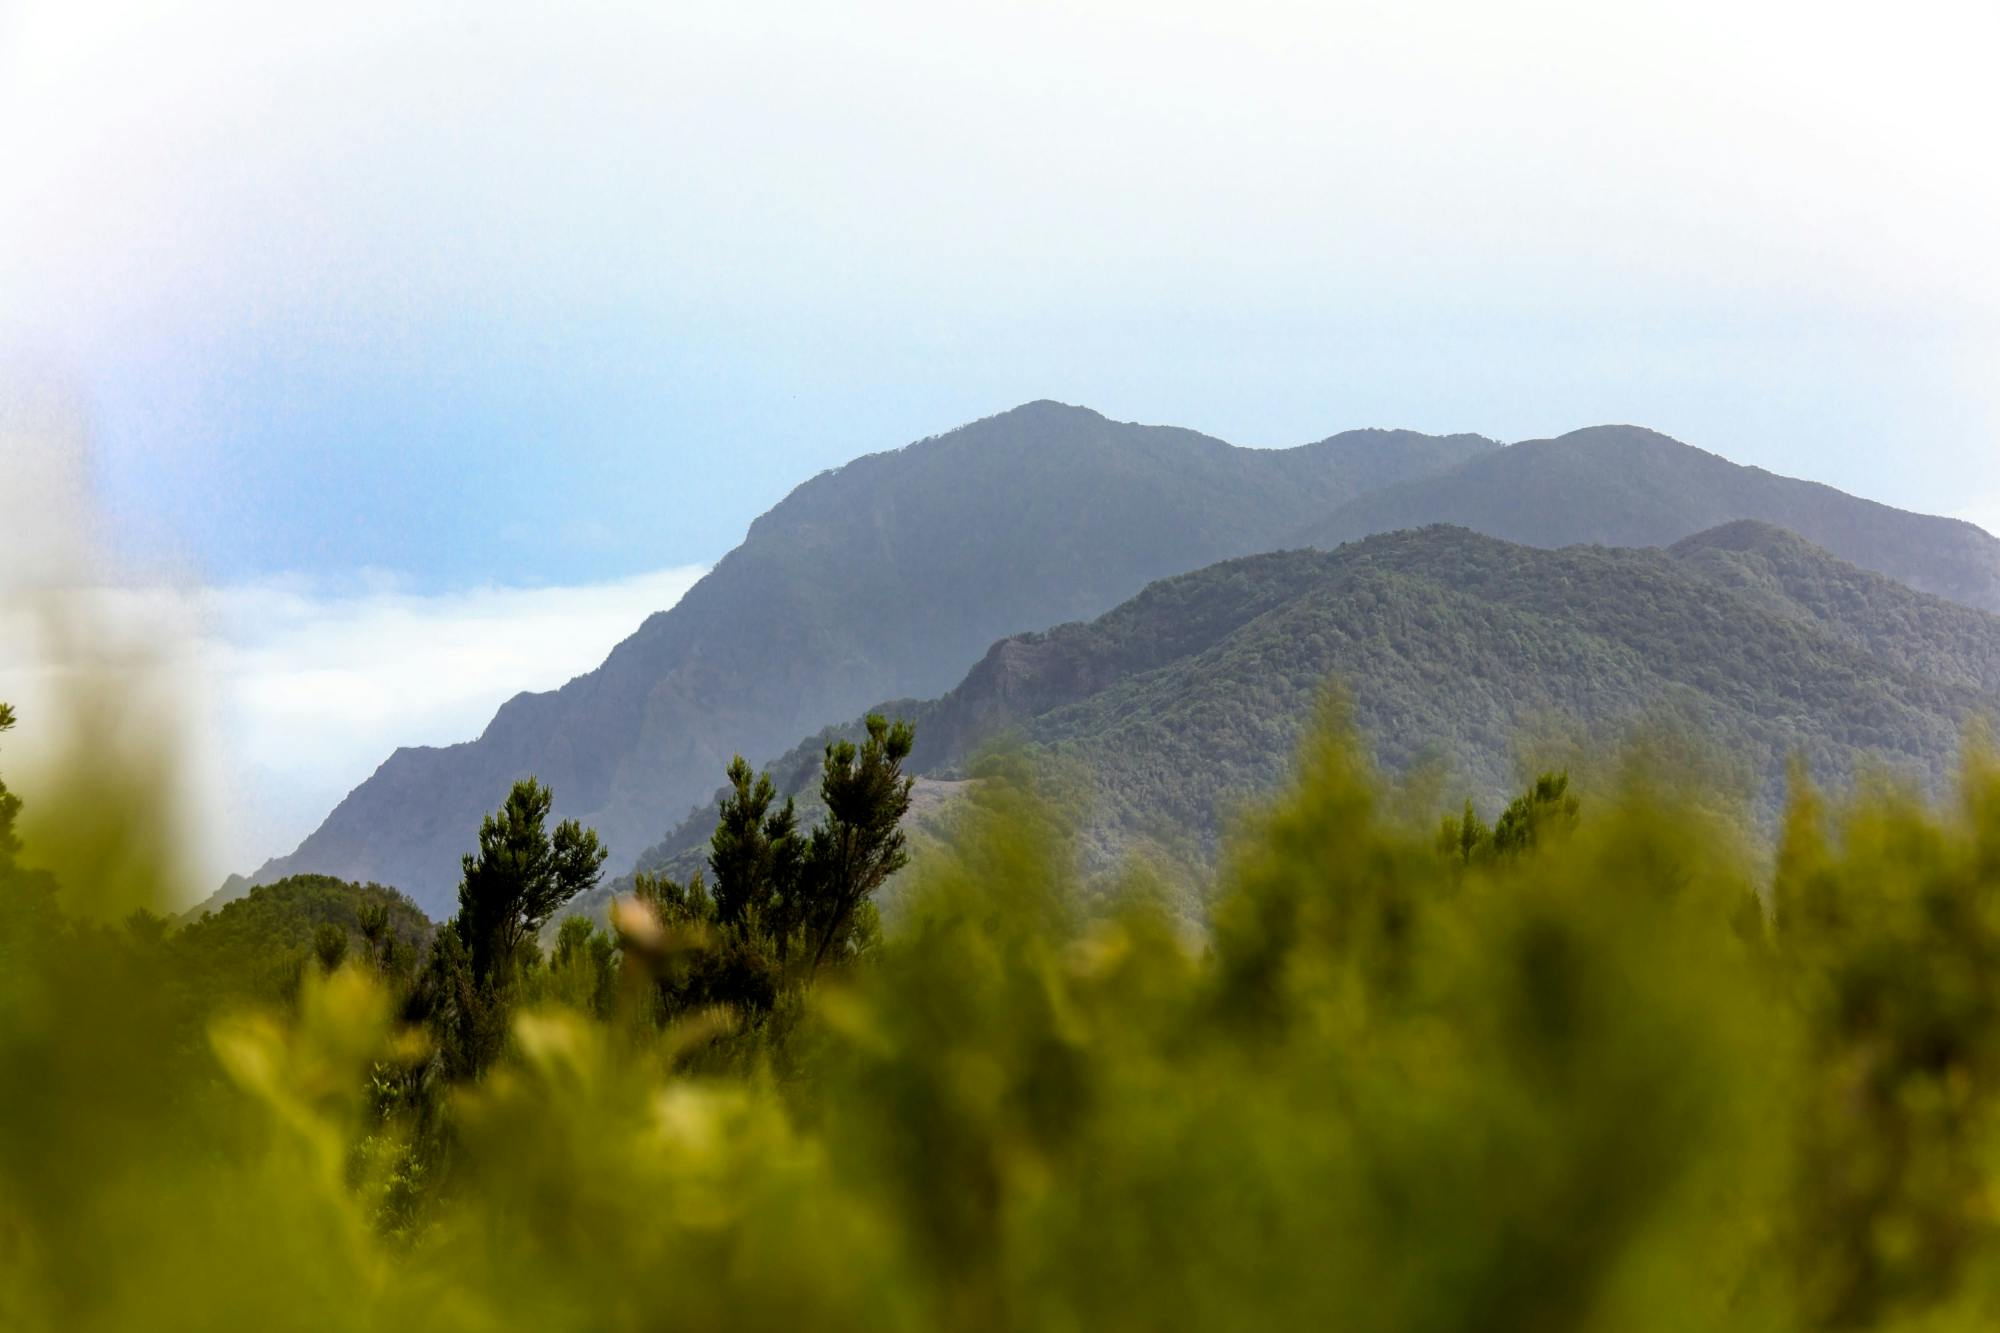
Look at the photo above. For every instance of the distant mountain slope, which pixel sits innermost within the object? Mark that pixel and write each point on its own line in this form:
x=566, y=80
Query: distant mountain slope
x=1626, y=486
x=1191, y=696
x=889, y=576
x=1930, y=636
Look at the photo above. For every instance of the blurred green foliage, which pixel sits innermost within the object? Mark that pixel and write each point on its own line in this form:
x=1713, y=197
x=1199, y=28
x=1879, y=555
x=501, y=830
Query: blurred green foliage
x=1623, y=1072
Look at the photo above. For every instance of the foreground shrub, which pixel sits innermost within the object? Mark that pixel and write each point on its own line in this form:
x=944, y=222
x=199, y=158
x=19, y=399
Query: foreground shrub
x=1625, y=1073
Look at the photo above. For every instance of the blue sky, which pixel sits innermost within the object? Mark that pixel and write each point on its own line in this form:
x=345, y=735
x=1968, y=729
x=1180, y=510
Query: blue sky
x=445, y=302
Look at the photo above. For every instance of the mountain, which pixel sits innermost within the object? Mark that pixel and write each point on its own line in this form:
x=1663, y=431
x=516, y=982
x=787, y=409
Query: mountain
x=889, y=576
x=1169, y=710
x=1626, y=486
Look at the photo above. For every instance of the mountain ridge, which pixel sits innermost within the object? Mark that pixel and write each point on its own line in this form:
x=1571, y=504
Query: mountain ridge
x=893, y=575
x=1495, y=639
x=1631, y=486
x=886, y=576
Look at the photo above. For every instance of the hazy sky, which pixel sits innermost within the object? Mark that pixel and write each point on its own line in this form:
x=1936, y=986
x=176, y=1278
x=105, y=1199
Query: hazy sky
x=531, y=293
x=442, y=299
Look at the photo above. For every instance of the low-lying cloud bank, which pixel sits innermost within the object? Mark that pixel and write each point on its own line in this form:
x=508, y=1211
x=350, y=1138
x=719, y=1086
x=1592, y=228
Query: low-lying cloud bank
x=287, y=694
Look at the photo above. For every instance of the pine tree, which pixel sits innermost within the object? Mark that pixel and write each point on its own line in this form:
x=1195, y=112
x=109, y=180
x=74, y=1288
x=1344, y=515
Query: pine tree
x=1546, y=806
x=755, y=853
x=861, y=842
x=1463, y=838
x=519, y=877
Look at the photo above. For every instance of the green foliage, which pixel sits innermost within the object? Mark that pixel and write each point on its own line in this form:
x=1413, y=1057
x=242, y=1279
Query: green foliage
x=861, y=841
x=784, y=904
x=1890, y=941
x=10, y=806
x=256, y=948
x=755, y=853
x=673, y=902
x=583, y=969
x=519, y=877
x=1569, y=1086
x=329, y=946
x=27, y=898
x=1465, y=836
x=1545, y=809
x=465, y=1014
x=486, y=959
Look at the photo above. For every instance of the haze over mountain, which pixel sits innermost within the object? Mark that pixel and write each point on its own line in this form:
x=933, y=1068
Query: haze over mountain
x=888, y=576
x=1164, y=714
x=891, y=576
x=1627, y=486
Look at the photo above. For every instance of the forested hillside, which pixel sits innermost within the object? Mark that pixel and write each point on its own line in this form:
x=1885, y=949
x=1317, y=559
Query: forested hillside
x=1627, y=486
x=1931, y=636
x=1466, y=654
x=886, y=577
x=257, y=947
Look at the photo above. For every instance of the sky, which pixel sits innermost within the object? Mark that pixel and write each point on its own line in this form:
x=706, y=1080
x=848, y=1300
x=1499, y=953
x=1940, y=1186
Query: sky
x=413, y=324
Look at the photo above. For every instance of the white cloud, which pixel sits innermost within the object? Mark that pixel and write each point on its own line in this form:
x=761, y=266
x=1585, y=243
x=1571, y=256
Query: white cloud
x=286, y=696
x=239, y=714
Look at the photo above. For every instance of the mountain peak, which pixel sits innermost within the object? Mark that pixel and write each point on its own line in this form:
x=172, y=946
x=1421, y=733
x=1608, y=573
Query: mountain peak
x=1640, y=442
x=887, y=577
x=1047, y=409
x=1617, y=431
x=1747, y=534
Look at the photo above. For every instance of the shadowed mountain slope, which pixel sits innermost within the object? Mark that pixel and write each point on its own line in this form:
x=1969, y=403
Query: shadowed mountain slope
x=1626, y=486
x=1176, y=706
x=889, y=576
